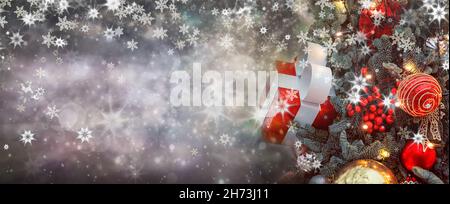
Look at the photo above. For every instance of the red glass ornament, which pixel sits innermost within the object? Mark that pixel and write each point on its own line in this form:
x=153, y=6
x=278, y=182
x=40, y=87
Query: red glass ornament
x=416, y=154
x=419, y=94
x=390, y=9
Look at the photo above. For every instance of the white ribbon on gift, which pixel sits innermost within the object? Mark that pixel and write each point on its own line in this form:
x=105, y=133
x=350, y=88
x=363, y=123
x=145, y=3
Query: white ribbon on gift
x=314, y=83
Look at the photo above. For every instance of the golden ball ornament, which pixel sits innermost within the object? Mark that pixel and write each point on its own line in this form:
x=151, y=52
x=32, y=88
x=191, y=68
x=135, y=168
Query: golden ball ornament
x=365, y=171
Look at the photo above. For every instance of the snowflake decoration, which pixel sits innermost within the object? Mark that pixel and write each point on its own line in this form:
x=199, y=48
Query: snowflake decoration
x=298, y=144
x=27, y=137
x=308, y=162
x=52, y=112
x=93, y=13
x=160, y=33
x=194, y=152
x=226, y=42
x=438, y=13
x=48, y=39
x=84, y=134
x=3, y=21
x=132, y=45
x=419, y=138
x=113, y=5
x=359, y=83
x=291, y=94
x=302, y=37
x=404, y=133
x=225, y=139
x=161, y=5
x=16, y=39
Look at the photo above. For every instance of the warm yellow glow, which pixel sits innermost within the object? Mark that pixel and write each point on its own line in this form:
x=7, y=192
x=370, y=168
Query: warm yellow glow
x=369, y=77
x=383, y=154
x=340, y=6
x=338, y=34
x=365, y=127
x=410, y=66
x=430, y=145
x=398, y=104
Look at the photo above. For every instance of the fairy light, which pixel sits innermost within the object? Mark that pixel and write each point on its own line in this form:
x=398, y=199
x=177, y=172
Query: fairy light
x=383, y=154
x=339, y=34
x=365, y=127
x=430, y=145
x=368, y=76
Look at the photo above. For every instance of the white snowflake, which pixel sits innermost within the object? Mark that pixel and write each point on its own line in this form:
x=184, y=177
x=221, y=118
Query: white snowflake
x=93, y=13
x=63, y=6
x=160, y=33
x=20, y=11
x=113, y=5
x=84, y=134
x=308, y=162
x=170, y=52
x=215, y=11
x=184, y=29
x=438, y=13
x=360, y=37
x=226, y=42
x=366, y=4
x=289, y=4
x=132, y=45
x=225, y=139
x=298, y=144
x=146, y=19
x=84, y=28
x=161, y=5
x=48, y=39
x=109, y=33
x=445, y=65
x=16, y=39
x=3, y=21
x=28, y=19
x=428, y=4
x=27, y=137
x=20, y=108
x=365, y=50
x=118, y=32
x=302, y=37
x=180, y=44
x=419, y=138
x=65, y=24
x=194, y=152
x=330, y=46
x=52, y=112
x=263, y=30
x=60, y=43
x=291, y=94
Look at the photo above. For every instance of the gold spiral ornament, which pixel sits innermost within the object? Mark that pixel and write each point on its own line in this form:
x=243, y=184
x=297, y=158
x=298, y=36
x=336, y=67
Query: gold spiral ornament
x=419, y=94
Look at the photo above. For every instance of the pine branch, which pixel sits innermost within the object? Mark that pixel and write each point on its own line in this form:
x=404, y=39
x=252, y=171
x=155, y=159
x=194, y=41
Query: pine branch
x=426, y=176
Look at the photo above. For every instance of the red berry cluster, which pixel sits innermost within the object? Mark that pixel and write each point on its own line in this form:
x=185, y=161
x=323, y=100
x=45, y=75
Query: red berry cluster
x=410, y=180
x=376, y=117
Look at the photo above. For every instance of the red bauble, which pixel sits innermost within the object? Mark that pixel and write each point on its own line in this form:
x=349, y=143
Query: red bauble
x=326, y=115
x=391, y=11
x=419, y=94
x=416, y=154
